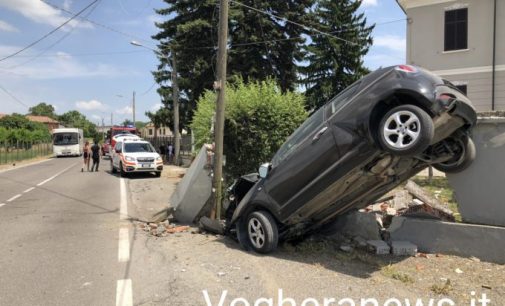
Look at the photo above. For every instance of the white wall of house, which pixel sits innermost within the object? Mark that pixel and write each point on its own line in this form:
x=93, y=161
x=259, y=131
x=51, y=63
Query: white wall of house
x=470, y=66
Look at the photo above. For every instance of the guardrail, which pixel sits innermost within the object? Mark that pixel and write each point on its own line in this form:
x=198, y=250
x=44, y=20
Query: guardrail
x=12, y=151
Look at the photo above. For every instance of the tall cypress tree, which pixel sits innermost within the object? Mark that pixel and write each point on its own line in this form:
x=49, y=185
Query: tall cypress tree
x=263, y=46
x=190, y=29
x=335, y=63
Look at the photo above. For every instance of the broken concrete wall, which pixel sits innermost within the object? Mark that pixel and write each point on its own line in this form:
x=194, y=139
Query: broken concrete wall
x=479, y=190
x=431, y=236
x=193, y=191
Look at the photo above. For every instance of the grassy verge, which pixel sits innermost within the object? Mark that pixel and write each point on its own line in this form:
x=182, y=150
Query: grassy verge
x=440, y=188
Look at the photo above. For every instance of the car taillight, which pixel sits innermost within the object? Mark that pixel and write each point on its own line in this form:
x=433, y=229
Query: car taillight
x=406, y=68
x=445, y=99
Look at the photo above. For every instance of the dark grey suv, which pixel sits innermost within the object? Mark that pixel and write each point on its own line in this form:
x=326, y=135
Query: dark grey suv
x=370, y=138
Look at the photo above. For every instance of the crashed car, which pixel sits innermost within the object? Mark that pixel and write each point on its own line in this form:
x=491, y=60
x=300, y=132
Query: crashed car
x=377, y=133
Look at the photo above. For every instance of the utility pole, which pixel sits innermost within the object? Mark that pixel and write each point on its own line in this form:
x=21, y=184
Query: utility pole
x=220, y=86
x=133, y=108
x=175, y=94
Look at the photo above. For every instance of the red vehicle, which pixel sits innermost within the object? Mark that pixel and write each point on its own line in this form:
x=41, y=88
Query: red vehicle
x=114, y=131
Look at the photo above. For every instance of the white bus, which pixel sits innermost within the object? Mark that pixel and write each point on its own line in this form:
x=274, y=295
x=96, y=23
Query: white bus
x=68, y=142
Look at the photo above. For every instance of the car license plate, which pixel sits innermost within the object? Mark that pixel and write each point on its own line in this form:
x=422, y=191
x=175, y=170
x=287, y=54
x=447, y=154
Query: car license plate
x=66, y=152
x=146, y=166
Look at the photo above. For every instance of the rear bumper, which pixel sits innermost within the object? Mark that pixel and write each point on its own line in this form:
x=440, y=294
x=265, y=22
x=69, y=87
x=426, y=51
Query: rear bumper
x=460, y=106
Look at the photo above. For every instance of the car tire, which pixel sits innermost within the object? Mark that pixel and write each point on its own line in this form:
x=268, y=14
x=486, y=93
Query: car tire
x=463, y=159
x=122, y=173
x=112, y=169
x=262, y=232
x=406, y=130
x=157, y=173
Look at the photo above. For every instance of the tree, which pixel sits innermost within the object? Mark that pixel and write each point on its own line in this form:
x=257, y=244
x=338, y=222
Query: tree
x=190, y=30
x=335, y=63
x=77, y=120
x=258, y=119
x=42, y=109
x=264, y=46
x=162, y=117
x=127, y=122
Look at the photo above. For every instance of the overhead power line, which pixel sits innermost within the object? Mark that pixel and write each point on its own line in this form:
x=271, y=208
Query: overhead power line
x=293, y=22
x=98, y=24
x=13, y=97
x=51, y=32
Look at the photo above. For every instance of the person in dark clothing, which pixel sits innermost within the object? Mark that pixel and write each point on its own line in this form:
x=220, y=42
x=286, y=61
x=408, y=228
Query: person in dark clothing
x=95, y=154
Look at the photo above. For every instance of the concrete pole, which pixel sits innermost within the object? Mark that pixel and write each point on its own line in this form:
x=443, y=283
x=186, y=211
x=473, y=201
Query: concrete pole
x=221, y=89
x=175, y=94
x=133, y=108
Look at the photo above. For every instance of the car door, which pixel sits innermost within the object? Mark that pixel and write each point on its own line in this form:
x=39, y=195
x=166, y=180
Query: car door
x=115, y=155
x=300, y=163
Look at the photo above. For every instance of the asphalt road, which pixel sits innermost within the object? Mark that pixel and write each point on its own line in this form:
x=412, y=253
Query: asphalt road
x=61, y=235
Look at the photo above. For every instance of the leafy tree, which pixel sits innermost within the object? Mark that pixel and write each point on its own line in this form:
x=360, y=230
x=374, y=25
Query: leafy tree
x=258, y=119
x=190, y=29
x=140, y=125
x=17, y=121
x=127, y=122
x=162, y=117
x=42, y=109
x=335, y=63
x=264, y=46
x=77, y=120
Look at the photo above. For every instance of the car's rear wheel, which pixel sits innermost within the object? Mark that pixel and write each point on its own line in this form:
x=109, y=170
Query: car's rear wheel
x=464, y=153
x=262, y=232
x=406, y=130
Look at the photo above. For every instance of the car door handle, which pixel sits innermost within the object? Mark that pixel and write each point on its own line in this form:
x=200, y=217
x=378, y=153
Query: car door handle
x=319, y=134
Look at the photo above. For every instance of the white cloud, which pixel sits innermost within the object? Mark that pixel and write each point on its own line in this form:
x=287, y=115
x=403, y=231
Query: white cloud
x=6, y=27
x=40, y=12
x=127, y=110
x=392, y=42
x=366, y=3
x=60, y=67
x=156, y=107
x=91, y=105
x=67, y=4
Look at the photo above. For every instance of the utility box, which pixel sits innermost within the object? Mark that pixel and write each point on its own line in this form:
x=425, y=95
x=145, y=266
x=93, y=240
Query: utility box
x=480, y=189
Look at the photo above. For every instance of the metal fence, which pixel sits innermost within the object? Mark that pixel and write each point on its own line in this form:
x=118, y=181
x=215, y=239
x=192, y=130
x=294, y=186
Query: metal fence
x=162, y=142
x=12, y=151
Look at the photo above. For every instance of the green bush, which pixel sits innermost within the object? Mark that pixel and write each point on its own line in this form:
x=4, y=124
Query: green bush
x=258, y=119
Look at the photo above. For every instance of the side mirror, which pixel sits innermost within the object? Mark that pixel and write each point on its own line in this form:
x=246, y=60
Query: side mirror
x=264, y=169
x=118, y=151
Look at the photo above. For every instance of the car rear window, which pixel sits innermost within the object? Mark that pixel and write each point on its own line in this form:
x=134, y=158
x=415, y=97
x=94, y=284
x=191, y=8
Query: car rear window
x=138, y=147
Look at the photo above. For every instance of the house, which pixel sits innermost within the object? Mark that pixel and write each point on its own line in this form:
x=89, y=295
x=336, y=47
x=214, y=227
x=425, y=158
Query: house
x=49, y=122
x=462, y=41
x=162, y=131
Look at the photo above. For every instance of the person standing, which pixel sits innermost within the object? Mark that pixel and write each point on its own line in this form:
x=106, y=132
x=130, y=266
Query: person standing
x=170, y=153
x=95, y=149
x=86, y=154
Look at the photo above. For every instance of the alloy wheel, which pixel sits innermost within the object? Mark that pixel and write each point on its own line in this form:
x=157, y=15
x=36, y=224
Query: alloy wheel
x=256, y=233
x=402, y=129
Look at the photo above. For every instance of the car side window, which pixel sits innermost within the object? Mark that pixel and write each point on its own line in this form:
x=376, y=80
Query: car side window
x=118, y=146
x=339, y=100
x=298, y=136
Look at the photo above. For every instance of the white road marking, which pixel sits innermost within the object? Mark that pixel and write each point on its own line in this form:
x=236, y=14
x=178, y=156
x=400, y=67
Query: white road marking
x=2, y=204
x=124, y=295
x=54, y=176
x=14, y=197
x=29, y=189
x=123, y=254
x=123, y=209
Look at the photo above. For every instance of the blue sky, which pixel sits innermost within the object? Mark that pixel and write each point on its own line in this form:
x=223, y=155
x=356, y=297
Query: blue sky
x=86, y=67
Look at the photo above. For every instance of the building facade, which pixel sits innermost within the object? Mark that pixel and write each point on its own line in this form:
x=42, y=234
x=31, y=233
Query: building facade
x=148, y=131
x=463, y=41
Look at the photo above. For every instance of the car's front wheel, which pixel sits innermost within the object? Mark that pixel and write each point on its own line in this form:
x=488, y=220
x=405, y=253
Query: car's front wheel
x=112, y=169
x=262, y=232
x=122, y=173
x=406, y=130
x=464, y=153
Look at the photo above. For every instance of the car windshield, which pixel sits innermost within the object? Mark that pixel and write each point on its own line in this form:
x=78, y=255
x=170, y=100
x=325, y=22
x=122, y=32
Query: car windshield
x=134, y=147
x=66, y=139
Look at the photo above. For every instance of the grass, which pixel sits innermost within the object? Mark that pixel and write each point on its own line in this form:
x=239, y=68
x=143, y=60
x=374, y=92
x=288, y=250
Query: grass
x=444, y=289
x=391, y=272
x=440, y=188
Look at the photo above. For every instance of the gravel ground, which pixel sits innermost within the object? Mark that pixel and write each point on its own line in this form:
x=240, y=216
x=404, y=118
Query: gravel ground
x=179, y=267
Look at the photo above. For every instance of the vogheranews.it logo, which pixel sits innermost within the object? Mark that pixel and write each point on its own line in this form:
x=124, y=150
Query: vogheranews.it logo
x=281, y=300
